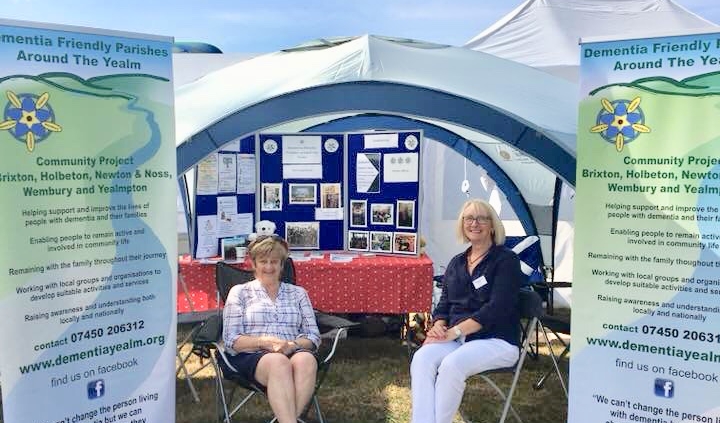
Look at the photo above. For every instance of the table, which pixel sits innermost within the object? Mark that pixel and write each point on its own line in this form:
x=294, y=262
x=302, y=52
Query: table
x=367, y=284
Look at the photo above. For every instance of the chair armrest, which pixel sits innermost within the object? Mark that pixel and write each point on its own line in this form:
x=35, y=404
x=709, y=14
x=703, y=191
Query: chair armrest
x=220, y=348
x=336, y=339
x=331, y=321
x=229, y=372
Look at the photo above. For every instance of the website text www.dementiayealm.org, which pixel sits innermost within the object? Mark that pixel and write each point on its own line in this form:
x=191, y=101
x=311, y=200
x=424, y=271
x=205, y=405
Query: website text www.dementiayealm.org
x=100, y=350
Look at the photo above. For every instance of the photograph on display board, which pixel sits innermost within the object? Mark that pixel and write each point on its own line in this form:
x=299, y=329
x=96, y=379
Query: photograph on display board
x=302, y=235
x=405, y=214
x=228, y=247
x=330, y=196
x=404, y=243
x=381, y=242
x=271, y=197
x=303, y=193
x=382, y=214
x=358, y=240
x=358, y=213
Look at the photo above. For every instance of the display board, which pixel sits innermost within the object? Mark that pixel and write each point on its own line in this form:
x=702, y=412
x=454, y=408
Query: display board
x=383, y=180
x=300, y=183
x=301, y=188
x=224, y=196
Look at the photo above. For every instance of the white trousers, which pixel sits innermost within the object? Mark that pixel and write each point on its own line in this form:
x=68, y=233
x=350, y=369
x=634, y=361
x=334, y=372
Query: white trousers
x=438, y=373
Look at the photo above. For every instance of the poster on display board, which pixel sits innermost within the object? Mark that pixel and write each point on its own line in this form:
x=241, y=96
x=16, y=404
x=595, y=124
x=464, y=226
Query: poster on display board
x=383, y=179
x=301, y=188
x=646, y=304
x=224, y=197
x=89, y=257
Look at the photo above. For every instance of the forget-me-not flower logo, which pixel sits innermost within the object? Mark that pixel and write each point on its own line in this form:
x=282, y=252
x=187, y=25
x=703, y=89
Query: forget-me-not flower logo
x=620, y=121
x=29, y=118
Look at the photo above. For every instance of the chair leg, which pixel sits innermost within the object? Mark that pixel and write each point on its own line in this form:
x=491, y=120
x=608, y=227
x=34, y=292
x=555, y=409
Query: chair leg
x=516, y=376
x=504, y=398
x=220, y=392
x=188, y=378
x=506, y=404
x=539, y=384
x=225, y=401
x=245, y=400
x=317, y=409
x=199, y=369
x=533, y=348
x=183, y=369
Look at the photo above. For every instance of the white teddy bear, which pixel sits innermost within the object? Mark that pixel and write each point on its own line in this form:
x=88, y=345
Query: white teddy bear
x=263, y=227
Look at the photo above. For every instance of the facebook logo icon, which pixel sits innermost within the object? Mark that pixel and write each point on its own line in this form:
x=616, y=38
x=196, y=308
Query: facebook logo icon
x=664, y=388
x=96, y=389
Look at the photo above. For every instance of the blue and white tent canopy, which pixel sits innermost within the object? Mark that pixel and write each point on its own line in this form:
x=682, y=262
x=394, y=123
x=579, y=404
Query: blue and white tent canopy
x=519, y=123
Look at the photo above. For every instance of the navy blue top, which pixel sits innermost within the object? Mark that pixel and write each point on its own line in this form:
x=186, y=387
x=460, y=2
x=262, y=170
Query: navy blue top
x=494, y=304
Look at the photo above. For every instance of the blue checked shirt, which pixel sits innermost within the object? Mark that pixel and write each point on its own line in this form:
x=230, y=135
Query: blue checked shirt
x=250, y=311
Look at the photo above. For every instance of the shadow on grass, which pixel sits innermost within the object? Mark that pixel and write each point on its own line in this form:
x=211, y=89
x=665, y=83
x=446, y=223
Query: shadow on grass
x=369, y=382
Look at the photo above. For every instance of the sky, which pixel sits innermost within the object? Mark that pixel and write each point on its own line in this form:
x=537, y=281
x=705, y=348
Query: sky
x=258, y=26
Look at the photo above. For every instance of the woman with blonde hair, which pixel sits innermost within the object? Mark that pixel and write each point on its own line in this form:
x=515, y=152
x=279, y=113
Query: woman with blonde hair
x=270, y=332
x=476, y=320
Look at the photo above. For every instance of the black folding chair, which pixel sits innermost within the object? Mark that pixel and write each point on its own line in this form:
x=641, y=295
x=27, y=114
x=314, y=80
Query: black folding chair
x=557, y=326
x=207, y=342
x=530, y=308
x=182, y=359
x=207, y=337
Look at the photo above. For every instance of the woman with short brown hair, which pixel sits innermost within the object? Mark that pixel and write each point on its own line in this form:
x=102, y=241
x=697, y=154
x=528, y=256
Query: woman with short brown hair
x=270, y=331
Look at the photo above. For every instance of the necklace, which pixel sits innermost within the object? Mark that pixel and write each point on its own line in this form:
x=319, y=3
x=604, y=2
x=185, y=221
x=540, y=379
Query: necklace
x=473, y=260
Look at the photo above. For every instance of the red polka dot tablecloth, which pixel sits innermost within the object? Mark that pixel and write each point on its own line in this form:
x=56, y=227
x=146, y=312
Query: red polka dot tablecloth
x=367, y=284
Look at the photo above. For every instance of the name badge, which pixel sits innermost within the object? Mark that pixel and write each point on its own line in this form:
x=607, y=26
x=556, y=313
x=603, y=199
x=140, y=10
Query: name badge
x=479, y=282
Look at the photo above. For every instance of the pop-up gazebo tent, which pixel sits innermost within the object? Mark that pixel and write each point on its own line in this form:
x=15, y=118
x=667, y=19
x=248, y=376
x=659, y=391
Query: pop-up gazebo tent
x=519, y=123
x=545, y=34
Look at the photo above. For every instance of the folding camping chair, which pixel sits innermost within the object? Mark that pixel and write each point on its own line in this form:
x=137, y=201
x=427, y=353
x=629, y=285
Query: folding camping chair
x=208, y=339
x=531, y=309
x=557, y=326
x=548, y=323
x=182, y=360
x=207, y=333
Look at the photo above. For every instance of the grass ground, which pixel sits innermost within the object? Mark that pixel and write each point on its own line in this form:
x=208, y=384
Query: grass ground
x=369, y=382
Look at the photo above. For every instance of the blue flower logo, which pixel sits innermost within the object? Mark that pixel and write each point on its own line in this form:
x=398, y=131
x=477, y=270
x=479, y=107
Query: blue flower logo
x=620, y=121
x=29, y=118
